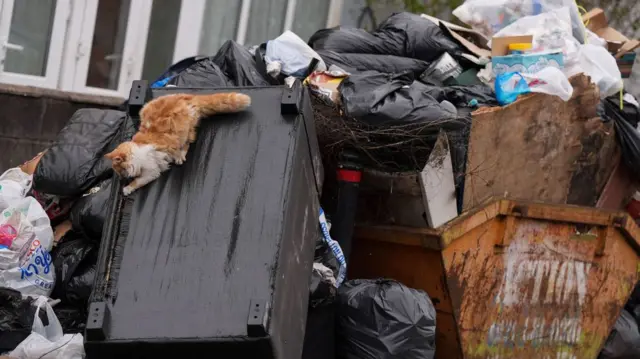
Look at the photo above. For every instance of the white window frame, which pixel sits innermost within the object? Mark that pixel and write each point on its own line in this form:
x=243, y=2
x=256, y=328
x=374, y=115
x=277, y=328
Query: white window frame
x=191, y=22
x=55, y=52
x=72, y=36
x=78, y=53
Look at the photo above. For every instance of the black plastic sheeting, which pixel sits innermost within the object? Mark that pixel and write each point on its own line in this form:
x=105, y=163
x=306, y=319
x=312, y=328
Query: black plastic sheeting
x=203, y=74
x=89, y=213
x=625, y=122
x=75, y=162
x=233, y=65
x=175, y=69
x=74, y=260
x=354, y=62
x=402, y=34
x=236, y=223
x=384, y=319
x=380, y=99
x=624, y=340
x=72, y=319
x=16, y=318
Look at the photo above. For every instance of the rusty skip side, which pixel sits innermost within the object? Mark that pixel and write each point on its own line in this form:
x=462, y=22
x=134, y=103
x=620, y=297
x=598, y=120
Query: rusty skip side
x=541, y=281
x=523, y=280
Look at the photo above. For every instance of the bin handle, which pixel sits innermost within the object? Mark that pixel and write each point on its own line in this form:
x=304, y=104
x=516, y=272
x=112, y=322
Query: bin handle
x=502, y=242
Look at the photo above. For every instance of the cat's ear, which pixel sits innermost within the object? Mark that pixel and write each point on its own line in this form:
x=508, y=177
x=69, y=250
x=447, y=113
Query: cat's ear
x=114, y=157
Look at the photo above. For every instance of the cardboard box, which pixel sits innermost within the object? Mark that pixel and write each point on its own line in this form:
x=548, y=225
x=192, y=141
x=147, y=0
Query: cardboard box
x=501, y=62
x=620, y=46
x=618, y=43
x=473, y=41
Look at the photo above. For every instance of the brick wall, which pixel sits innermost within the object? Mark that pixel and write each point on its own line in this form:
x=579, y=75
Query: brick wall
x=30, y=119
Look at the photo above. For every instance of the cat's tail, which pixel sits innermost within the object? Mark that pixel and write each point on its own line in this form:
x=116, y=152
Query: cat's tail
x=229, y=102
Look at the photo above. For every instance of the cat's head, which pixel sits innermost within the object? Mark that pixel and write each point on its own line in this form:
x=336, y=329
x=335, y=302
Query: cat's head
x=122, y=160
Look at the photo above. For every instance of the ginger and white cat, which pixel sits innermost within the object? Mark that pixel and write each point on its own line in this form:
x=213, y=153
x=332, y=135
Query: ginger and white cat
x=168, y=126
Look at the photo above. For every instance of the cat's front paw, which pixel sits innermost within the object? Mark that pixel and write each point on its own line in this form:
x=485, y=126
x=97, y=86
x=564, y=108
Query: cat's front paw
x=178, y=161
x=127, y=190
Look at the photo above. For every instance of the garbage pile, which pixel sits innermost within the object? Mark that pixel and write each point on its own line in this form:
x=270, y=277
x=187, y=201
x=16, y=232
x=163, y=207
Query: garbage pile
x=53, y=212
x=389, y=95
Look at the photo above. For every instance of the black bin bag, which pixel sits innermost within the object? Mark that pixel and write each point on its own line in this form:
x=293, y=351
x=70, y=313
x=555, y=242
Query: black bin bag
x=16, y=318
x=390, y=99
x=239, y=65
x=384, y=319
x=76, y=160
x=624, y=340
x=202, y=74
x=354, y=62
x=88, y=213
x=625, y=122
x=402, y=34
x=74, y=260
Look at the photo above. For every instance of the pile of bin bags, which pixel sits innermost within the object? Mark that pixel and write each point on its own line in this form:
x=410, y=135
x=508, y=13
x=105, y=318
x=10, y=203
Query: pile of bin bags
x=378, y=84
x=363, y=319
x=370, y=319
x=382, y=87
x=69, y=190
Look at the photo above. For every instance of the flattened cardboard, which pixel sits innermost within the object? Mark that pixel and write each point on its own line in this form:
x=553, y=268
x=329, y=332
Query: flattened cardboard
x=500, y=45
x=618, y=43
x=437, y=183
x=478, y=43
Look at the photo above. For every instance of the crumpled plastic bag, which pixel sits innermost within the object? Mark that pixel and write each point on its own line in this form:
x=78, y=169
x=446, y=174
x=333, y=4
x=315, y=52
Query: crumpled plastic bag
x=549, y=80
x=24, y=226
x=26, y=237
x=336, y=250
x=384, y=319
x=47, y=340
x=290, y=55
x=14, y=184
x=550, y=30
x=601, y=67
x=34, y=276
x=490, y=16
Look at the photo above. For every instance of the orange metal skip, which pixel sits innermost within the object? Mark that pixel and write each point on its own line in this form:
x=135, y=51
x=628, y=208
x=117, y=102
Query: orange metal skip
x=513, y=279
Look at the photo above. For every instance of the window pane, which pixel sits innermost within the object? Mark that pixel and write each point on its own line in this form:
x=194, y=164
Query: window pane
x=163, y=29
x=310, y=16
x=31, y=24
x=108, y=44
x=266, y=20
x=220, y=23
